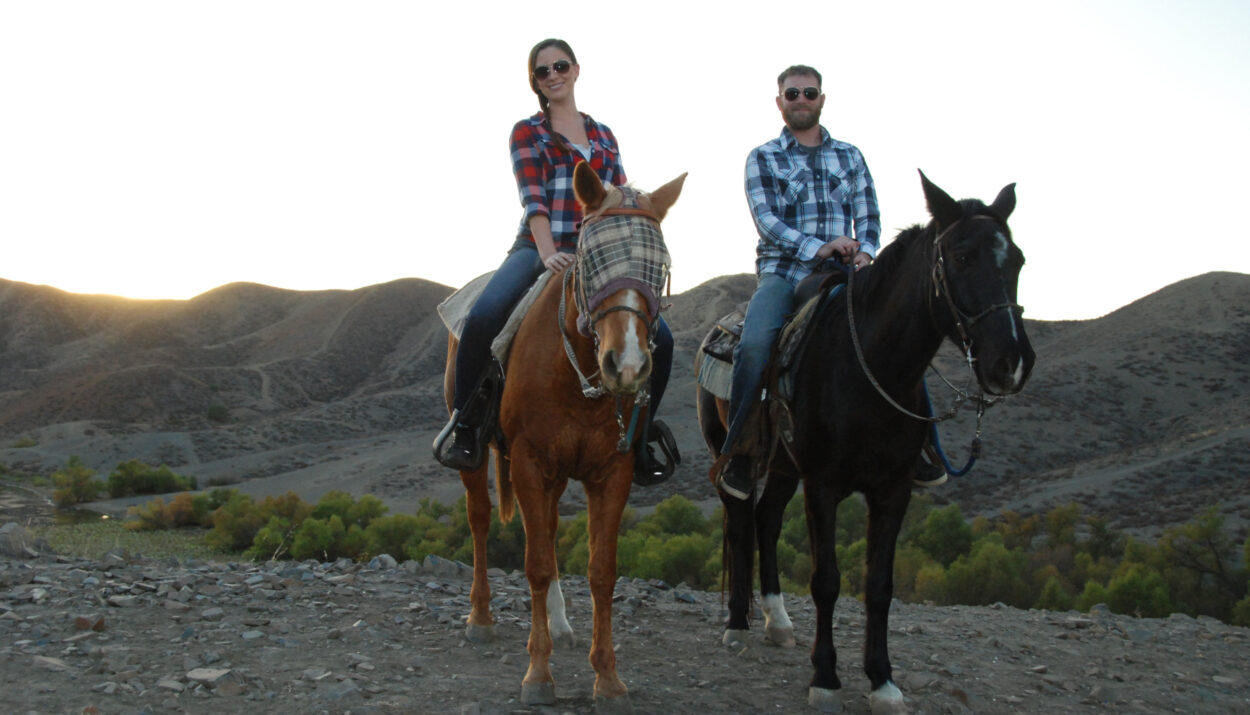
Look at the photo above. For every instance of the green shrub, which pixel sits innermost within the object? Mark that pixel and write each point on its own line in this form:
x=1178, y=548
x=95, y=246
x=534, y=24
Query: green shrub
x=944, y=535
x=1140, y=591
x=75, y=483
x=183, y=510
x=235, y=523
x=1094, y=594
x=394, y=535
x=1054, y=596
x=134, y=477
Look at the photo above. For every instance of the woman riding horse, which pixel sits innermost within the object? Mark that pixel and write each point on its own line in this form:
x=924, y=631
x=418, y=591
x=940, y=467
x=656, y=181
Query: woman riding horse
x=545, y=149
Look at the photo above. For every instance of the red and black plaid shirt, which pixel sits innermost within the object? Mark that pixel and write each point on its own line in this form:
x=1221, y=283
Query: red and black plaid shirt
x=544, y=175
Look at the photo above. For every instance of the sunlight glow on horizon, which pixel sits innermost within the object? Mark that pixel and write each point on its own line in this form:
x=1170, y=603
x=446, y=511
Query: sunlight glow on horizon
x=158, y=150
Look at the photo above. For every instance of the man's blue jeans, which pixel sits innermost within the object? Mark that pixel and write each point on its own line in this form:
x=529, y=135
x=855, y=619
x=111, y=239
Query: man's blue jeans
x=772, y=301
x=488, y=315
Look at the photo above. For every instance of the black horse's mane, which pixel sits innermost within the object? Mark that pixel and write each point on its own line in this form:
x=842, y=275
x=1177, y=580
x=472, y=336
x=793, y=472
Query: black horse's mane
x=890, y=259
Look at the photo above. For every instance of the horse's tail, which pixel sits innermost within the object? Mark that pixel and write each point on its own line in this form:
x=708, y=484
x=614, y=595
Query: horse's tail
x=503, y=488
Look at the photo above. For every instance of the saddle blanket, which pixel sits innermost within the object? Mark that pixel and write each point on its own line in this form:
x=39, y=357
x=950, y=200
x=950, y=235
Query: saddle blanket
x=715, y=372
x=454, y=310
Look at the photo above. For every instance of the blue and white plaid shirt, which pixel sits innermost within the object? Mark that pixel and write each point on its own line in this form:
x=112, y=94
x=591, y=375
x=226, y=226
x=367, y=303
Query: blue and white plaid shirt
x=798, y=210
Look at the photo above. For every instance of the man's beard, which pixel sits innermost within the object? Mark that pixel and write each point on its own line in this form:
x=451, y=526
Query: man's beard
x=800, y=120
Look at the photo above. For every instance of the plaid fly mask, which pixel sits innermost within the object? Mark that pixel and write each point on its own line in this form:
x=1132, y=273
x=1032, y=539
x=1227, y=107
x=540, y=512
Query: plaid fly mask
x=622, y=247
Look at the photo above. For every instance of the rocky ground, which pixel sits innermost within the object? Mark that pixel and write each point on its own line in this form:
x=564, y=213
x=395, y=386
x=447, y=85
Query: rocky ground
x=128, y=635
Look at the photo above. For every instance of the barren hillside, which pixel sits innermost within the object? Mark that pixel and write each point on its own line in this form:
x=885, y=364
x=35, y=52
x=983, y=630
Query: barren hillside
x=1141, y=415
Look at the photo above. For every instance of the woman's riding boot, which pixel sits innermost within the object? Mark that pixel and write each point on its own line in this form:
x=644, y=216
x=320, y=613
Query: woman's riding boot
x=648, y=468
x=459, y=445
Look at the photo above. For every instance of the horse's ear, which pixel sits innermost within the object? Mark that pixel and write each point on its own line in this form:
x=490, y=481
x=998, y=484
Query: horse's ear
x=942, y=207
x=587, y=187
x=1005, y=203
x=663, y=198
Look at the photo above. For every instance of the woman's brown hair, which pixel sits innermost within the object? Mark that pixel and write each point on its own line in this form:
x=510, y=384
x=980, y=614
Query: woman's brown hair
x=543, y=102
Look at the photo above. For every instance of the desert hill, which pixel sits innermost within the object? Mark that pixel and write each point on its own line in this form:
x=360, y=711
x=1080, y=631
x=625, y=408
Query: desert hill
x=1141, y=415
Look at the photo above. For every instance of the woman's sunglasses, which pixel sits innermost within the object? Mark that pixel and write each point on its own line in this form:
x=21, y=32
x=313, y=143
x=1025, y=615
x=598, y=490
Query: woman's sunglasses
x=560, y=66
x=792, y=93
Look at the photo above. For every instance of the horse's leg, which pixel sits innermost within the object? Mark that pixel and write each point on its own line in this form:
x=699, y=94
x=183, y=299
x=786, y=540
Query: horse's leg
x=885, y=518
x=557, y=620
x=739, y=540
x=538, y=687
x=822, y=512
x=480, y=626
x=768, y=516
x=605, y=502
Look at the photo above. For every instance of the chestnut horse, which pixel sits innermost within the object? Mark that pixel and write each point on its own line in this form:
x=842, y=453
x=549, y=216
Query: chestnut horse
x=857, y=389
x=555, y=425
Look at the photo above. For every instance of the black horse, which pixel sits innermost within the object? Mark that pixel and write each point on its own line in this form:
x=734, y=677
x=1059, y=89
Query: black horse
x=954, y=278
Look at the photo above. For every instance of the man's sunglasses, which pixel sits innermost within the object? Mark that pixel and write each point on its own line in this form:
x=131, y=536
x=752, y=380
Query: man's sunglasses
x=560, y=66
x=792, y=93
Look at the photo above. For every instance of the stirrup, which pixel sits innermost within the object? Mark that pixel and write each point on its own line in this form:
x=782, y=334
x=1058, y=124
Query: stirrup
x=928, y=473
x=730, y=478
x=659, y=434
x=468, y=457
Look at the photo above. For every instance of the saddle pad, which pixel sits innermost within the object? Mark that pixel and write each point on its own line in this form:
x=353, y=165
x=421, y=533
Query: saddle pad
x=454, y=310
x=715, y=370
x=503, y=341
x=794, y=337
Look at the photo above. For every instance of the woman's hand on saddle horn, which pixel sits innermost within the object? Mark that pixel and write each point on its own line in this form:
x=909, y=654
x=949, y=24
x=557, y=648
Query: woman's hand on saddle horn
x=557, y=262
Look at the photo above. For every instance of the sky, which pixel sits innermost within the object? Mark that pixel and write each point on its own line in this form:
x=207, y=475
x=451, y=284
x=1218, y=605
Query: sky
x=161, y=149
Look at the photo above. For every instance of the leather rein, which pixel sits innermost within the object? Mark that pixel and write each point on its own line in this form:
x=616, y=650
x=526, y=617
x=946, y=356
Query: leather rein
x=963, y=322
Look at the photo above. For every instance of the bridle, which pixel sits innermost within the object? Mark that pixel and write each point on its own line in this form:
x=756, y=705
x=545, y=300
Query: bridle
x=588, y=317
x=942, y=289
x=585, y=306
x=963, y=322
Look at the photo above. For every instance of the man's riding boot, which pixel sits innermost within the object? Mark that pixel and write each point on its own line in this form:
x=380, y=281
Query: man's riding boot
x=459, y=445
x=929, y=469
x=648, y=468
x=735, y=479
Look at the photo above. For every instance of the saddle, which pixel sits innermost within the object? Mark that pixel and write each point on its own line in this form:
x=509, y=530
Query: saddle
x=454, y=311
x=773, y=423
x=483, y=404
x=812, y=295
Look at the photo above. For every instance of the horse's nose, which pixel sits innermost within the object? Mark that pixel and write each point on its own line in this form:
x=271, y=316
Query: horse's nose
x=628, y=375
x=1009, y=372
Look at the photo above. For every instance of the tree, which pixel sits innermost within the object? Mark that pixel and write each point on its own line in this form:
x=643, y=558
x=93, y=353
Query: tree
x=991, y=573
x=1141, y=591
x=1054, y=596
x=944, y=535
x=75, y=484
x=1200, y=560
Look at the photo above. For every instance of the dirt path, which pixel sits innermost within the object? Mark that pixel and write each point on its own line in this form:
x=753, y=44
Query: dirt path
x=125, y=636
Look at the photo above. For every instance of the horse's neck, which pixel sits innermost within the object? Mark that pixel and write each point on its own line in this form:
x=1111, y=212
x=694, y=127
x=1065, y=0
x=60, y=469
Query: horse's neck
x=582, y=346
x=893, y=319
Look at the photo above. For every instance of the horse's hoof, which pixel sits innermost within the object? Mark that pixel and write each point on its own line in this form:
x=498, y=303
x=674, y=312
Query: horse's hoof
x=538, y=693
x=825, y=700
x=783, y=637
x=476, y=633
x=887, y=700
x=734, y=638
x=619, y=705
